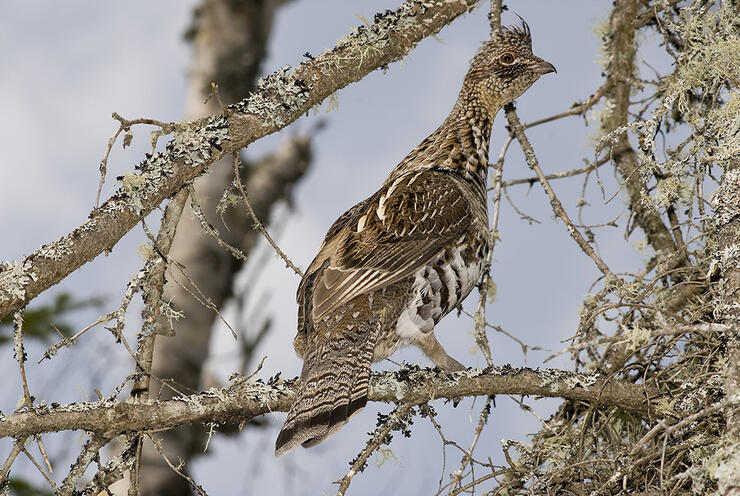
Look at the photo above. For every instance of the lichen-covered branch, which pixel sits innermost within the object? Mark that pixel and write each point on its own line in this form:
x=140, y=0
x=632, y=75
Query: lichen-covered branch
x=154, y=284
x=673, y=324
x=380, y=436
x=281, y=98
x=87, y=455
x=409, y=385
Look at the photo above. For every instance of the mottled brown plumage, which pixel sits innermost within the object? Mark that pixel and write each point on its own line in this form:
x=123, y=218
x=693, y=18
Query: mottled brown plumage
x=396, y=263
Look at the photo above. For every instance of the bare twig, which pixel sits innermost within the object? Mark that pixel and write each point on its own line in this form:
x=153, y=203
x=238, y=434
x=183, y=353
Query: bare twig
x=257, y=224
x=68, y=341
x=557, y=175
x=44, y=455
x=177, y=469
x=576, y=109
x=523, y=215
x=518, y=131
x=438, y=428
x=477, y=481
x=17, y=448
x=483, y=287
x=201, y=297
x=525, y=347
x=217, y=95
x=39, y=468
x=467, y=457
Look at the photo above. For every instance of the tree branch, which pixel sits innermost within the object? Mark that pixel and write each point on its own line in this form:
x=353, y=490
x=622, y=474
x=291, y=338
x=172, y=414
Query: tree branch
x=408, y=385
x=281, y=99
x=150, y=314
x=518, y=131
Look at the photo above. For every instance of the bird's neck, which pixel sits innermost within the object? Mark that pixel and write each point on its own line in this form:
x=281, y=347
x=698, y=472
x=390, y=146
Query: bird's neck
x=459, y=145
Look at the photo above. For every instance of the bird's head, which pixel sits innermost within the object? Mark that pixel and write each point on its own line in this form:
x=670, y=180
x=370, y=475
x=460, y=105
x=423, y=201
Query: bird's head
x=505, y=67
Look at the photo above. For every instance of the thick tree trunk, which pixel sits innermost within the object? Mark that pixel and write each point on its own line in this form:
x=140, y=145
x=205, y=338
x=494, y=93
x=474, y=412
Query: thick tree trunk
x=727, y=307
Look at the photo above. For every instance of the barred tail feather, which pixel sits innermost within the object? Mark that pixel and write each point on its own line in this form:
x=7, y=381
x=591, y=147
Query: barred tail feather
x=333, y=389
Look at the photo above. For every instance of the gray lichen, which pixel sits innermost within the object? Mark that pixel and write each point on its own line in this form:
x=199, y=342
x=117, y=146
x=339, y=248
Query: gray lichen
x=727, y=198
x=193, y=144
x=278, y=94
x=56, y=250
x=553, y=379
x=15, y=276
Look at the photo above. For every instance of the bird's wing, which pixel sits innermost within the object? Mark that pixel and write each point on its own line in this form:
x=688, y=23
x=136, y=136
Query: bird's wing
x=385, y=239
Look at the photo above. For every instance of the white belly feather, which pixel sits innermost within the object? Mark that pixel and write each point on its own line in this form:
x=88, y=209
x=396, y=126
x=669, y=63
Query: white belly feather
x=426, y=307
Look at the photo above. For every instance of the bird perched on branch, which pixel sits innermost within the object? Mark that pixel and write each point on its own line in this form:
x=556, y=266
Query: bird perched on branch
x=396, y=263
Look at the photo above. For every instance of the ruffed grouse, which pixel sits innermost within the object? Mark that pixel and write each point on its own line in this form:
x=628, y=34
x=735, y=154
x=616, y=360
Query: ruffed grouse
x=396, y=263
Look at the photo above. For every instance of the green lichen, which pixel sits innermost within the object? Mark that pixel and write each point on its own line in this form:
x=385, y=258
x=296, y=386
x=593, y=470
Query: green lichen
x=229, y=199
x=636, y=336
x=711, y=54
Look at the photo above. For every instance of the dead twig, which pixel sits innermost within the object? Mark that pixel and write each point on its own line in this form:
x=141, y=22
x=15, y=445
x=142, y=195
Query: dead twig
x=14, y=452
x=557, y=206
x=557, y=175
x=576, y=108
x=177, y=469
x=125, y=125
x=484, y=289
x=468, y=456
x=257, y=223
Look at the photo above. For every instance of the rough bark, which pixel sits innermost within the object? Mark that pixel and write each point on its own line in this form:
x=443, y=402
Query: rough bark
x=727, y=307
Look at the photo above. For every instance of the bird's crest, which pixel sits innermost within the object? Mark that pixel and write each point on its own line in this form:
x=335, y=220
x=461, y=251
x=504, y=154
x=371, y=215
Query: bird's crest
x=515, y=33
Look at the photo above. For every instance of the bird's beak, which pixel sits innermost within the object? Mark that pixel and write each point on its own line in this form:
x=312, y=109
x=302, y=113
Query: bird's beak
x=544, y=68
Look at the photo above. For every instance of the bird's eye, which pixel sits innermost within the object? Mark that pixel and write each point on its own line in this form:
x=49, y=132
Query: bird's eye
x=507, y=58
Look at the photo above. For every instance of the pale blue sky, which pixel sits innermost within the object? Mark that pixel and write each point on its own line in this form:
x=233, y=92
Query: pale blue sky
x=67, y=66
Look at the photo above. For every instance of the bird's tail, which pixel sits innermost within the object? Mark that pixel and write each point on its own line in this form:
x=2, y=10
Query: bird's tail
x=333, y=388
